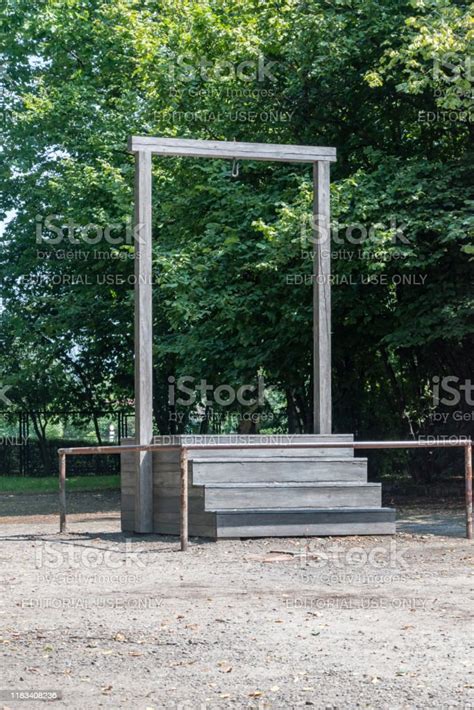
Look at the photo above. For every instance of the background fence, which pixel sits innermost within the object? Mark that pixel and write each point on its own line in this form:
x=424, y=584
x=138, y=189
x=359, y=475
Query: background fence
x=29, y=441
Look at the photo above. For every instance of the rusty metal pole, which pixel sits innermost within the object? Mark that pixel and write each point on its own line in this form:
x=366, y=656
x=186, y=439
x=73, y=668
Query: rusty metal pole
x=184, y=499
x=468, y=477
x=62, y=491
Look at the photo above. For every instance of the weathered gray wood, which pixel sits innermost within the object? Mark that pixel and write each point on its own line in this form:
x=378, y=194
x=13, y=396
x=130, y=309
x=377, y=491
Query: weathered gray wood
x=127, y=522
x=195, y=530
x=284, y=523
x=236, y=439
x=128, y=515
x=170, y=504
x=128, y=491
x=143, y=342
x=128, y=507
x=335, y=529
x=246, y=453
x=292, y=495
x=128, y=483
x=283, y=453
x=208, y=470
x=162, y=491
x=322, y=300
x=231, y=149
x=198, y=517
x=298, y=507
x=144, y=147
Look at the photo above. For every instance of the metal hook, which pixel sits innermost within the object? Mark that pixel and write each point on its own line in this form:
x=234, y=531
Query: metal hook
x=235, y=168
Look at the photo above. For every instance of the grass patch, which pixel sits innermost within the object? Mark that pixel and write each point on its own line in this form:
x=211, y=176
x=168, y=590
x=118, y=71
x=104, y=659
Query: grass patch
x=49, y=484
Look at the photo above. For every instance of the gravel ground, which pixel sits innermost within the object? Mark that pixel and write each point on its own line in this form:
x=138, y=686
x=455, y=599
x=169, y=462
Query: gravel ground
x=349, y=622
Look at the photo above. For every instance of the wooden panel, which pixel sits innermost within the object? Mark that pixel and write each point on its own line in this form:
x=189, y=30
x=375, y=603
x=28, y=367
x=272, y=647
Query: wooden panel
x=200, y=523
x=282, y=453
x=128, y=467
x=199, y=517
x=166, y=478
x=292, y=495
x=172, y=457
x=209, y=531
x=194, y=492
x=128, y=480
x=143, y=341
x=208, y=470
x=283, y=523
x=322, y=411
x=127, y=522
x=127, y=462
x=216, y=439
x=127, y=503
x=167, y=457
x=230, y=149
x=170, y=504
x=308, y=530
x=128, y=491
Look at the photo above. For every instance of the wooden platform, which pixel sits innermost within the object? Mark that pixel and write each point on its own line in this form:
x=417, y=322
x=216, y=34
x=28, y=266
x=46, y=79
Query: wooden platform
x=262, y=492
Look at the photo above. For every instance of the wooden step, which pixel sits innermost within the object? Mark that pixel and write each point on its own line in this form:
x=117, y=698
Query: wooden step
x=260, y=492
x=254, y=440
x=282, y=453
x=292, y=495
x=278, y=469
x=303, y=522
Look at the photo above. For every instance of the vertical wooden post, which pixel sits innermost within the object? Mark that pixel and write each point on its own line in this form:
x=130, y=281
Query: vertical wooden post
x=468, y=482
x=322, y=414
x=143, y=343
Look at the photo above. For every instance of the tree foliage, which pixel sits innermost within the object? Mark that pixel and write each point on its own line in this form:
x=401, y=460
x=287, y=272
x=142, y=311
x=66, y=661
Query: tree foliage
x=388, y=83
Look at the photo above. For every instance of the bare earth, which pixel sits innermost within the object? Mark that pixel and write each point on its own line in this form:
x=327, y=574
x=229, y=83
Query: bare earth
x=279, y=623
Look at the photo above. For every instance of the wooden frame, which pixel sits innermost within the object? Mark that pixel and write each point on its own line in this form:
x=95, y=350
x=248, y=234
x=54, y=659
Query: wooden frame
x=229, y=150
x=144, y=147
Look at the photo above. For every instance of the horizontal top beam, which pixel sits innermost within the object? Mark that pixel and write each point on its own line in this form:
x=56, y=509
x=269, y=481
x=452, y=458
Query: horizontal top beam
x=231, y=149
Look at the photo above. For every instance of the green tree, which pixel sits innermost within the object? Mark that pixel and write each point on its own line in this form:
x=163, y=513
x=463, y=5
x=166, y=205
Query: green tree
x=372, y=78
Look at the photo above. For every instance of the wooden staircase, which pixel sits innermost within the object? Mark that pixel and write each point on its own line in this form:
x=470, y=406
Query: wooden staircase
x=263, y=492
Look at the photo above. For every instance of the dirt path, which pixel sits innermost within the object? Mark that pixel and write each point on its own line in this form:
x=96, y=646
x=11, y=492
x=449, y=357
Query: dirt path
x=324, y=622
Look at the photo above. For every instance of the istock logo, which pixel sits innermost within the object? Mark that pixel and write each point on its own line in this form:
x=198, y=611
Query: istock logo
x=337, y=556
x=224, y=395
x=452, y=386
x=3, y=395
x=187, y=68
x=314, y=230
x=56, y=556
x=72, y=232
x=450, y=391
x=451, y=67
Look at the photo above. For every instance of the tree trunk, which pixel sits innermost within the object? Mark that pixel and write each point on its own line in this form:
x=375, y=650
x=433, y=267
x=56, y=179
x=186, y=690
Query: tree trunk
x=40, y=430
x=97, y=428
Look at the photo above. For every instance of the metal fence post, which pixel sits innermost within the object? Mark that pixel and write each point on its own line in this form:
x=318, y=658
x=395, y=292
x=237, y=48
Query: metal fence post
x=184, y=498
x=62, y=491
x=468, y=479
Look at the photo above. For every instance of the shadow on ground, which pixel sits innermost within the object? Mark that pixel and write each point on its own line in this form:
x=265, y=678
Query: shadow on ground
x=448, y=523
x=16, y=505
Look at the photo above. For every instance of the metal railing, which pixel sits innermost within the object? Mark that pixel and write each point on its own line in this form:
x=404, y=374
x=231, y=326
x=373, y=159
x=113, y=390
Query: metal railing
x=184, y=448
